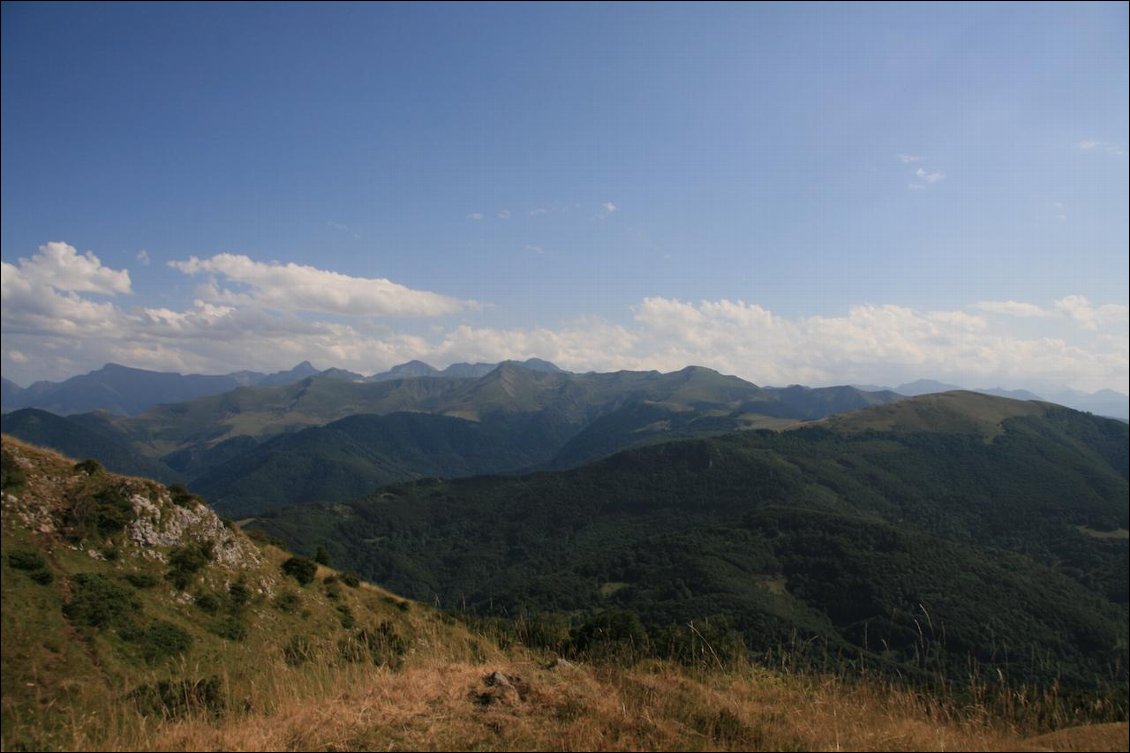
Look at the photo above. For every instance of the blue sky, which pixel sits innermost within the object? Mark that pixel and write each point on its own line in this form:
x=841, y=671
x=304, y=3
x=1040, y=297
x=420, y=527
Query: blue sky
x=792, y=193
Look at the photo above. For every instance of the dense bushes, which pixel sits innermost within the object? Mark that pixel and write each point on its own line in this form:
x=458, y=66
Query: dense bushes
x=97, y=601
x=301, y=569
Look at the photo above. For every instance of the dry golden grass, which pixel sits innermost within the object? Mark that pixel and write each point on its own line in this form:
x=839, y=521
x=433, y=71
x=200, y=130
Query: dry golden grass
x=437, y=705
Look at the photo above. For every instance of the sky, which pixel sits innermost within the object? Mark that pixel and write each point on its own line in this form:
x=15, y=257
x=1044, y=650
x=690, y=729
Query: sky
x=792, y=193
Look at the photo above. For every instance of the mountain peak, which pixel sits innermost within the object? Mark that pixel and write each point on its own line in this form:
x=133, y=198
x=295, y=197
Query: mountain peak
x=412, y=368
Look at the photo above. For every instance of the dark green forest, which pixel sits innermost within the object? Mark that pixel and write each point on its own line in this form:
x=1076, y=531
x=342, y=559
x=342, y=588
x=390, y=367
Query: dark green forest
x=912, y=552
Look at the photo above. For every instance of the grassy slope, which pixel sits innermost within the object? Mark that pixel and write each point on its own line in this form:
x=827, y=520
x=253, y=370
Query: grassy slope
x=67, y=686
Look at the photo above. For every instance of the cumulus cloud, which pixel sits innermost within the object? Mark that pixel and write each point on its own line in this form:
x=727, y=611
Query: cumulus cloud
x=44, y=293
x=268, y=315
x=606, y=209
x=238, y=279
x=475, y=216
x=1014, y=308
x=503, y=214
x=143, y=257
x=60, y=267
x=1089, y=316
x=907, y=159
x=1075, y=308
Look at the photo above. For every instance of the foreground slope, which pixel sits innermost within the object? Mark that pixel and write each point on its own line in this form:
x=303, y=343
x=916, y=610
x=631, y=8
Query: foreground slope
x=914, y=539
x=134, y=619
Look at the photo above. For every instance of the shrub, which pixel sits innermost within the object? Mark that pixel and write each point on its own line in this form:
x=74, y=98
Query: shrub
x=12, y=476
x=103, y=513
x=208, y=601
x=613, y=636
x=112, y=511
x=288, y=601
x=547, y=630
x=161, y=639
x=185, y=561
x=33, y=563
x=90, y=466
x=301, y=569
x=322, y=557
x=97, y=601
x=42, y=577
x=346, y=615
x=351, y=580
x=25, y=559
x=182, y=497
x=240, y=594
x=232, y=628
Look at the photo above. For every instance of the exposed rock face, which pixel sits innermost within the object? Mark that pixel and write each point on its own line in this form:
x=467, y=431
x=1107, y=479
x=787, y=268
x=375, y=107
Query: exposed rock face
x=164, y=524
x=55, y=487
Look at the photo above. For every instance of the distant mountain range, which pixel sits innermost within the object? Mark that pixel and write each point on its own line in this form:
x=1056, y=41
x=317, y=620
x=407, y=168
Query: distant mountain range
x=331, y=438
x=128, y=391
x=333, y=435
x=1102, y=403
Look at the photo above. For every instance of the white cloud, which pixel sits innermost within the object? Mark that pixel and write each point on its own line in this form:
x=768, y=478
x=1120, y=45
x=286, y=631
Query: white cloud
x=503, y=214
x=295, y=287
x=475, y=216
x=539, y=211
x=906, y=159
x=1014, y=308
x=269, y=316
x=1089, y=316
x=931, y=178
x=1073, y=308
x=143, y=257
x=43, y=293
x=1089, y=145
x=60, y=267
x=606, y=209
x=533, y=249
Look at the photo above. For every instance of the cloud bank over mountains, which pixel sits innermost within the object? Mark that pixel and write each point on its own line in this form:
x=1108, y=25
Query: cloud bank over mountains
x=65, y=312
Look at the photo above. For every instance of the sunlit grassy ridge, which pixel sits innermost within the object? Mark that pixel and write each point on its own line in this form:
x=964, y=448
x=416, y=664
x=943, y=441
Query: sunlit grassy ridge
x=196, y=638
